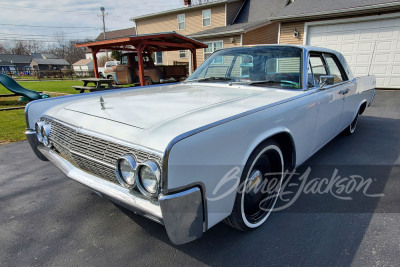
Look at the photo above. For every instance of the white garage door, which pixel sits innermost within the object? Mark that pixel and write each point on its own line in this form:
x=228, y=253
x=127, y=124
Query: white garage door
x=370, y=47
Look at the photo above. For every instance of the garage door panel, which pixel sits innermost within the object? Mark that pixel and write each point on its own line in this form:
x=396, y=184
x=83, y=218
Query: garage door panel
x=396, y=70
x=370, y=47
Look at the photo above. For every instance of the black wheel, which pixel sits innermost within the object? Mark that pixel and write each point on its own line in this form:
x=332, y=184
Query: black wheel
x=259, y=188
x=352, y=126
x=147, y=81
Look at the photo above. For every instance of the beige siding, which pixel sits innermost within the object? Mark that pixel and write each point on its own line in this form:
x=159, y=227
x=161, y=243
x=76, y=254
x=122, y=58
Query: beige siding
x=287, y=33
x=232, y=9
x=193, y=21
x=263, y=35
x=226, y=43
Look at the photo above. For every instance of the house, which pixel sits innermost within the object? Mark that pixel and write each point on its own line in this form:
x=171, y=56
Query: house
x=218, y=23
x=110, y=35
x=7, y=67
x=41, y=64
x=21, y=62
x=43, y=55
x=367, y=32
x=83, y=67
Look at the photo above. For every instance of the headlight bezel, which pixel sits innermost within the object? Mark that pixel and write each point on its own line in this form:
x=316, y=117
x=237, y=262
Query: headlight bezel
x=131, y=160
x=155, y=169
x=38, y=130
x=45, y=133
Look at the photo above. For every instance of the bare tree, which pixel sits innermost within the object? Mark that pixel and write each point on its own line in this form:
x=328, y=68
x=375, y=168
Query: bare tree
x=3, y=49
x=19, y=48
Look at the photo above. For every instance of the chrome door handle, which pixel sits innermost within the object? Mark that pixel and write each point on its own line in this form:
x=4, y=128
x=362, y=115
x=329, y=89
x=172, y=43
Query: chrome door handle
x=345, y=91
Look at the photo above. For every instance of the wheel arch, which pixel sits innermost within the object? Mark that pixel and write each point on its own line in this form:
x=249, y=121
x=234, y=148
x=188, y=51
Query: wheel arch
x=286, y=143
x=362, y=106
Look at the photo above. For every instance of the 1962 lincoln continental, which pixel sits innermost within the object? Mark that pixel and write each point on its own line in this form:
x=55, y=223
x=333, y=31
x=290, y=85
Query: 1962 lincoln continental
x=167, y=152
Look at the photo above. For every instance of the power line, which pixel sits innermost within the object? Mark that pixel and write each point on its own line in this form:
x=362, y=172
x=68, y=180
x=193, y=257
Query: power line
x=53, y=27
x=45, y=35
x=45, y=9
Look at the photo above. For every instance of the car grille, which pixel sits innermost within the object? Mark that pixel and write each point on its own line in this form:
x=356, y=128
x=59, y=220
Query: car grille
x=91, y=153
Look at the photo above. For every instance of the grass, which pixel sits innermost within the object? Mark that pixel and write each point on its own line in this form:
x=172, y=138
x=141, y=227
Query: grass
x=12, y=122
x=49, y=86
x=12, y=126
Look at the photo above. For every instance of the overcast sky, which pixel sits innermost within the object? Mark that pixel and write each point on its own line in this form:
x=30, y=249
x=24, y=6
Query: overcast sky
x=43, y=20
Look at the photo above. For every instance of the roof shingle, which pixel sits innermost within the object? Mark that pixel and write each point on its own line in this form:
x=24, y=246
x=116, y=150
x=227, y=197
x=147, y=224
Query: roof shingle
x=308, y=8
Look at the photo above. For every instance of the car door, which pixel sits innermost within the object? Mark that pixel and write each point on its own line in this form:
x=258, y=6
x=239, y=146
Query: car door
x=348, y=89
x=330, y=102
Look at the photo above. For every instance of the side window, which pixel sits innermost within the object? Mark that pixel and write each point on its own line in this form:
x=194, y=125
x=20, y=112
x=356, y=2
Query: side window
x=318, y=69
x=124, y=60
x=334, y=69
x=181, y=22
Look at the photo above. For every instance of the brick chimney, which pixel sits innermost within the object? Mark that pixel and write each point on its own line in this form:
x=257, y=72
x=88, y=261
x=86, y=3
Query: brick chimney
x=188, y=2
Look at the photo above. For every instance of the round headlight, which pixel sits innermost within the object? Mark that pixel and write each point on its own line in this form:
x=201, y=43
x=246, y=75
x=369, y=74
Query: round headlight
x=125, y=171
x=149, y=178
x=38, y=130
x=45, y=132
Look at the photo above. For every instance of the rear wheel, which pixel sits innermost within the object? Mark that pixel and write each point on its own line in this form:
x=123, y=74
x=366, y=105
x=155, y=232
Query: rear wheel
x=352, y=126
x=147, y=81
x=259, y=189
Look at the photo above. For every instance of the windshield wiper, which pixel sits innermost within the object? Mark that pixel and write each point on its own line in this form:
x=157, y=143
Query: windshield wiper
x=294, y=84
x=209, y=79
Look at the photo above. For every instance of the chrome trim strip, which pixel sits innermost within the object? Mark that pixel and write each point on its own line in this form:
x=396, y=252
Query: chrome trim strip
x=113, y=191
x=165, y=157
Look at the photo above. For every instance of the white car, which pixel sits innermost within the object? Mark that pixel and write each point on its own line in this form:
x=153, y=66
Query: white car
x=173, y=153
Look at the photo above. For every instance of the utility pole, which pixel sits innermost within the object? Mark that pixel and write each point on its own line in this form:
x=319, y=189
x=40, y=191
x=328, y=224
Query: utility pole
x=103, y=15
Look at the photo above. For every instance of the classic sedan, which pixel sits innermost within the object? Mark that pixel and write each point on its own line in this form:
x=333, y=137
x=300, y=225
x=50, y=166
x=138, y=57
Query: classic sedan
x=193, y=154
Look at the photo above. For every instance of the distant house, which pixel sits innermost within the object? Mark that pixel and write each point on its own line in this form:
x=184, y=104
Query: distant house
x=110, y=35
x=217, y=23
x=21, y=62
x=83, y=67
x=49, y=64
x=43, y=55
x=7, y=67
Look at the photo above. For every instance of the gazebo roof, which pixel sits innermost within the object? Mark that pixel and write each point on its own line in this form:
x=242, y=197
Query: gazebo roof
x=167, y=41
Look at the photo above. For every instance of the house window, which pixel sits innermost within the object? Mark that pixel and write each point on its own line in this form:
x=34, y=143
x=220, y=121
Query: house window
x=213, y=46
x=158, y=57
x=181, y=22
x=207, y=17
x=182, y=53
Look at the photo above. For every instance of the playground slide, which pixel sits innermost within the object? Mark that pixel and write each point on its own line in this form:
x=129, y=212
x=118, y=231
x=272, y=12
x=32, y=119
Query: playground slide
x=10, y=84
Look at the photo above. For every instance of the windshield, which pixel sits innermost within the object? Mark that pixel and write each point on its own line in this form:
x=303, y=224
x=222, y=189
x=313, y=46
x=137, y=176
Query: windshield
x=271, y=66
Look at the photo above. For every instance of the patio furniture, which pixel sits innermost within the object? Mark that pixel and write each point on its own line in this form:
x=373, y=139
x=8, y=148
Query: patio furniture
x=99, y=85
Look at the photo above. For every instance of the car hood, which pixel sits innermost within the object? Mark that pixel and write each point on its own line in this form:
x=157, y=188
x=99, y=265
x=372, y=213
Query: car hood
x=148, y=109
x=153, y=116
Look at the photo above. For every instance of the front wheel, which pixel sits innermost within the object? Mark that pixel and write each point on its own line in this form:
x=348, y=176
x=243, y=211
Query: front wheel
x=260, y=185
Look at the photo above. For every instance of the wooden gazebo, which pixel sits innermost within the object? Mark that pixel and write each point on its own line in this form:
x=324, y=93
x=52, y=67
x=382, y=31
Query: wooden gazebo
x=169, y=41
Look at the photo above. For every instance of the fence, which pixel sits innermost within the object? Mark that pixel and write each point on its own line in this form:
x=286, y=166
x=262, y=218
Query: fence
x=46, y=74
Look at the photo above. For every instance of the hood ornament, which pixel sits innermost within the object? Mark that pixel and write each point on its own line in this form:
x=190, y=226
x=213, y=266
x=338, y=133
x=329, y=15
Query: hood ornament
x=102, y=103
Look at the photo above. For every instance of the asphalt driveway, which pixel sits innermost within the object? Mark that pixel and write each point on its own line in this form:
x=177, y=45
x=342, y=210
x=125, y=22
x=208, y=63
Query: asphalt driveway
x=47, y=219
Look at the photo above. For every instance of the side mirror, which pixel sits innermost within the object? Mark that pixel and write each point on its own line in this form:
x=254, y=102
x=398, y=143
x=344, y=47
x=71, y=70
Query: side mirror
x=326, y=80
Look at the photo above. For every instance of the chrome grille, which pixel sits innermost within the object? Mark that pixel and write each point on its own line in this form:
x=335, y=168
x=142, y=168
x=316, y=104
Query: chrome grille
x=91, y=153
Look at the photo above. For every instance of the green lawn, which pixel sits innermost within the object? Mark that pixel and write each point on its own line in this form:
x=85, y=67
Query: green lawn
x=12, y=122
x=12, y=126
x=49, y=86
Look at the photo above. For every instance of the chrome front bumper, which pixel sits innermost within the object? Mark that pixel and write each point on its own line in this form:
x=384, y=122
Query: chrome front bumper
x=182, y=213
